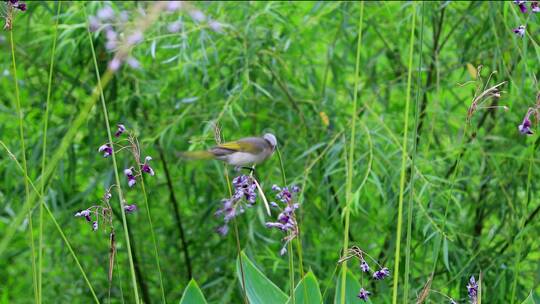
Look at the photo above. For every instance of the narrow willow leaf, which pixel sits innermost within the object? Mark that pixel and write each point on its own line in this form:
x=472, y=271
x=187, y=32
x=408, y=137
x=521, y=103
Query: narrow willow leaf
x=352, y=287
x=445, y=254
x=529, y=299
x=307, y=291
x=192, y=294
x=260, y=290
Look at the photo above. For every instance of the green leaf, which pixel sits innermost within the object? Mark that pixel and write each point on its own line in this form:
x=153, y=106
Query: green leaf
x=260, y=290
x=307, y=291
x=529, y=299
x=193, y=294
x=352, y=287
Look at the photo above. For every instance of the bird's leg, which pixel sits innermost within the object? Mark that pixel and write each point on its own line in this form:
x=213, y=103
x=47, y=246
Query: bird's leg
x=251, y=169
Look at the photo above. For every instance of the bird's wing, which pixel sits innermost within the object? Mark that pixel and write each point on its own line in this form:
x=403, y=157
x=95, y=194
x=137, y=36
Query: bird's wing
x=250, y=145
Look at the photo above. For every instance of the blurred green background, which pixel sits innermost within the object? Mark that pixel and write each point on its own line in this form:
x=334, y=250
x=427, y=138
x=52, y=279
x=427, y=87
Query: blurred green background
x=286, y=68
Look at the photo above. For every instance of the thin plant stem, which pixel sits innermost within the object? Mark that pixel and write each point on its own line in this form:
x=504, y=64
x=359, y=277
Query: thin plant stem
x=154, y=242
x=413, y=163
x=290, y=248
x=25, y=168
x=404, y=158
x=519, y=239
x=51, y=215
x=350, y=162
x=116, y=175
x=237, y=238
x=44, y=152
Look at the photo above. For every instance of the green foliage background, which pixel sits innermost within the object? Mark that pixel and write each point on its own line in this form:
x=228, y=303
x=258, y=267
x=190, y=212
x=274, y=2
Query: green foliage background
x=283, y=68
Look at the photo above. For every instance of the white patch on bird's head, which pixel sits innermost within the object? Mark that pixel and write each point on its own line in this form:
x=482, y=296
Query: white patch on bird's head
x=271, y=139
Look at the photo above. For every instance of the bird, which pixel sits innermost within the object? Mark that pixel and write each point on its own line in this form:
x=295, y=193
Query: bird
x=247, y=151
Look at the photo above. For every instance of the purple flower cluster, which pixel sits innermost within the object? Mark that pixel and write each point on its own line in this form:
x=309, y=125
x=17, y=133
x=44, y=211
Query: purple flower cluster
x=113, y=24
x=472, y=290
x=523, y=6
x=16, y=5
x=535, y=8
x=12, y=5
x=130, y=173
x=195, y=14
x=356, y=253
x=94, y=213
x=525, y=126
x=245, y=190
x=286, y=220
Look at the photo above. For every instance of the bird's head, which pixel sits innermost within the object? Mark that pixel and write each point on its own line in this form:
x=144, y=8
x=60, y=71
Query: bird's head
x=271, y=139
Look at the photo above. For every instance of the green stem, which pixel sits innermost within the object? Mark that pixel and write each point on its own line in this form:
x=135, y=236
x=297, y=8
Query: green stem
x=298, y=242
x=44, y=153
x=413, y=164
x=404, y=158
x=24, y=165
x=156, y=254
x=350, y=161
x=238, y=247
x=116, y=175
x=51, y=215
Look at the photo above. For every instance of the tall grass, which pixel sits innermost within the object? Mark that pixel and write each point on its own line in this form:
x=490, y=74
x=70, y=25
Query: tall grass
x=412, y=166
x=25, y=168
x=100, y=84
x=404, y=159
x=44, y=151
x=350, y=161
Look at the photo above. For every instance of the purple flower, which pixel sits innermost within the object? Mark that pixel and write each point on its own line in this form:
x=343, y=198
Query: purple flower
x=286, y=220
x=135, y=38
x=472, y=290
x=106, y=149
x=93, y=23
x=95, y=226
x=106, y=13
x=363, y=294
x=174, y=27
x=133, y=63
x=535, y=7
x=197, y=16
x=130, y=208
x=521, y=5
x=131, y=178
x=85, y=213
x=115, y=64
x=21, y=6
x=146, y=166
x=107, y=196
x=174, y=5
x=13, y=1
x=223, y=230
x=215, y=26
x=525, y=127
x=381, y=273
x=364, y=266
x=245, y=190
x=121, y=129
x=519, y=31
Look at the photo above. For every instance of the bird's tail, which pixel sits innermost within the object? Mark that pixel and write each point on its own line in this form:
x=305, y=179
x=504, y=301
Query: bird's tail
x=196, y=155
